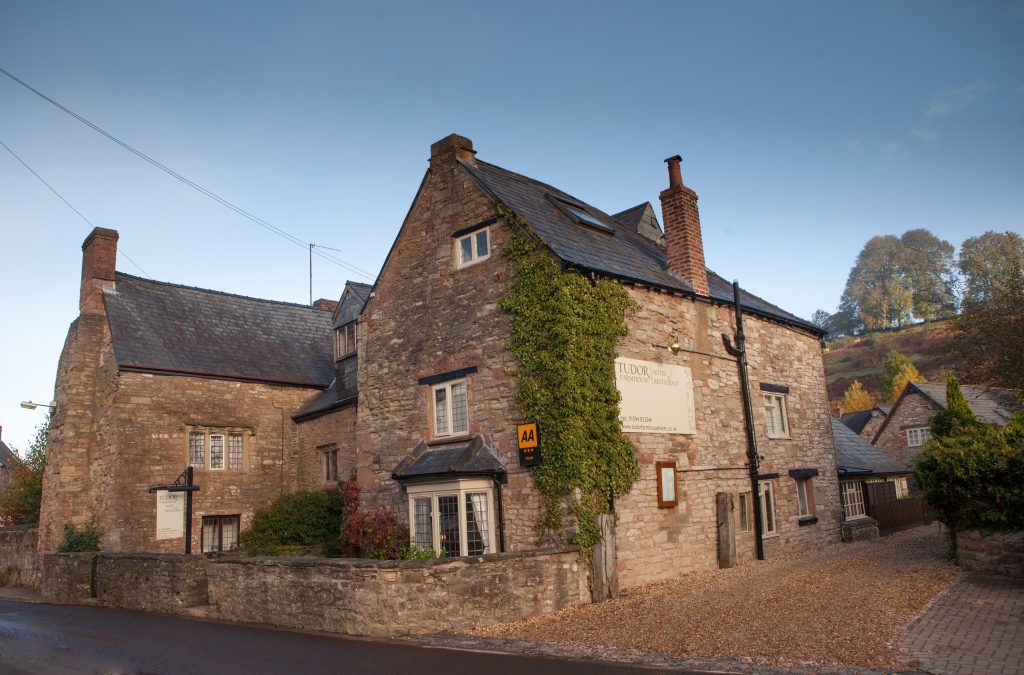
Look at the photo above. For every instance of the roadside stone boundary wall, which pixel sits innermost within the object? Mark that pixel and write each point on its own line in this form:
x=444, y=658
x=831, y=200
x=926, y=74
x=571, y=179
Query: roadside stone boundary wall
x=1001, y=553
x=18, y=561
x=377, y=598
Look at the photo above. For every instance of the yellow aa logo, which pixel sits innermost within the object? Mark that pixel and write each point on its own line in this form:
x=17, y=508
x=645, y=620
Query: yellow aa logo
x=527, y=436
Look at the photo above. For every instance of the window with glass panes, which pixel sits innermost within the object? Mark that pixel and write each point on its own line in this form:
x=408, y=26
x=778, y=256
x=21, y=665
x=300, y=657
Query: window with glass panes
x=767, y=509
x=916, y=437
x=804, y=497
x=216, y=450
x=344, y=340
x=473, y=247
x=454, y=518
x=853, y=499
x=329, y=462
x=220, y=533
x=451, y=409
x=744, y=512
x=775, y=415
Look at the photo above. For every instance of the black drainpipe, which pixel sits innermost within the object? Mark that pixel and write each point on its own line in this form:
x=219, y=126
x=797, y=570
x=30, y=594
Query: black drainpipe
x=740, y=352
x=501, y=515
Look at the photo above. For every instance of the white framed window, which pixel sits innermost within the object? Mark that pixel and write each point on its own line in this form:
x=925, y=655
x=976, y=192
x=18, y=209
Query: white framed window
x=902, y=489
x=767, y=497
x=916, y=437
x=775, y=415
x=853, y=499
x=804, y=497
x=344, y=341
x=216, y=450
x=473, y=247
x=451, y=408
x=744, y=511
x=453, y=518
x=329, y=463
x=220, y=533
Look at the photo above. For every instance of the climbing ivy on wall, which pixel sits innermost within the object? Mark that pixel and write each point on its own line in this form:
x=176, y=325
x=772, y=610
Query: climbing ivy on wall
x=564, y=331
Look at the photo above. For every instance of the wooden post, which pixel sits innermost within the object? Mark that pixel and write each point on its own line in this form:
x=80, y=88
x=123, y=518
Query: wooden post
x=726, y=535
x=606, y=576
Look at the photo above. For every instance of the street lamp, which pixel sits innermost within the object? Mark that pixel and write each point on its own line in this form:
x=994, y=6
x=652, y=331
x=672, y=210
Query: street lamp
x=32, y=406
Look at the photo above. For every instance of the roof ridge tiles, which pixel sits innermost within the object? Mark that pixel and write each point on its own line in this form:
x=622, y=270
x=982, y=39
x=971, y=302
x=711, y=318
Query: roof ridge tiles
x=286, y=303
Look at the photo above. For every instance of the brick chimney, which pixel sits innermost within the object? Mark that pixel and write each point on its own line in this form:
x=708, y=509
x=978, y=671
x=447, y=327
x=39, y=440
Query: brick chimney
x=99, y=256
x=325, y=305
x=683, y=243
x=444, y=153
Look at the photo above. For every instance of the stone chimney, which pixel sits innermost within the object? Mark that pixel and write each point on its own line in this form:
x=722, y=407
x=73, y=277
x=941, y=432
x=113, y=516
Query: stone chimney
x=444, y=153
x=325, y=305
x=99, y=256
x=683, y=243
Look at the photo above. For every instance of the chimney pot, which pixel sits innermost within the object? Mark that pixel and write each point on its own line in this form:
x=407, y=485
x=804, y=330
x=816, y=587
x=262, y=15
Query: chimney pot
x=675, y=176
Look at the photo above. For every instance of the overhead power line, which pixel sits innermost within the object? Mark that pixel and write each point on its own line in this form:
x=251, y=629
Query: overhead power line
x=192, y=184
x=70, y=206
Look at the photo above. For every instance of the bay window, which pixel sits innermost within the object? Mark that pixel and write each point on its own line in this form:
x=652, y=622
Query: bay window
x=454, y=518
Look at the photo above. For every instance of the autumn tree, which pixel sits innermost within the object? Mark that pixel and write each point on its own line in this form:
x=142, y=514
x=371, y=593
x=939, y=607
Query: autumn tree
x=897, y=371
x=988, y=333
x=856, y=399
x=896, y=279
x=21, y=498
x=986, y=261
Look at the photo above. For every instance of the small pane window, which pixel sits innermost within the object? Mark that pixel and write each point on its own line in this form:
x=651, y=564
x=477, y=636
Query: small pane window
x=473, y=247
x=448, y=523
x=477, y=537
x=916, y=437
x=216, y=451
x=767, y=509
x=220, y=533
x=329, y=463
x=423, y=522
x=197, y=449
x=345, y=340
x=853, y=499
x=805, y=497
x=235, y=452
x=451, y=409
x=744, y=509
x=775, y=415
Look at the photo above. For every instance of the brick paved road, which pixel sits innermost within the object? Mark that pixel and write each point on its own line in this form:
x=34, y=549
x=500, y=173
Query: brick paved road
x=977, y=626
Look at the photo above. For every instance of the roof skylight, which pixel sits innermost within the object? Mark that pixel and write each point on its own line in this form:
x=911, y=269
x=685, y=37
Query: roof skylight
x=582, y=216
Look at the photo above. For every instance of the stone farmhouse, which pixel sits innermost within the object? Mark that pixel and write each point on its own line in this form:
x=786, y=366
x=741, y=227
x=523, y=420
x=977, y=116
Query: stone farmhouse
x=408, y=386
x=907, y=425
x=866, y=423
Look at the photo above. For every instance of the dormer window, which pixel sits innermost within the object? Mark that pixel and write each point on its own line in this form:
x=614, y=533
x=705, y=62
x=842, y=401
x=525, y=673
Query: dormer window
x=473, y=247
x=580, y=214
x=344, y=341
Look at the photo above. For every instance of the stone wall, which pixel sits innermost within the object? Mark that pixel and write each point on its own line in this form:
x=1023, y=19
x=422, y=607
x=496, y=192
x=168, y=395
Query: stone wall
x=352, y=597
x=914, y=410
x=338, y=428
x=18, y=555
x=1000, y=553
x=157, y=582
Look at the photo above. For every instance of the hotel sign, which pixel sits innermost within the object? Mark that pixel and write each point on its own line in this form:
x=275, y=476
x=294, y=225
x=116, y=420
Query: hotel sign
x=170, y=514
x=657, y=398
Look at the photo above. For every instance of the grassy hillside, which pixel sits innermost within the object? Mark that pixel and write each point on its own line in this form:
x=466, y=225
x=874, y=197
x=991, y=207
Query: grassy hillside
x=860, y=358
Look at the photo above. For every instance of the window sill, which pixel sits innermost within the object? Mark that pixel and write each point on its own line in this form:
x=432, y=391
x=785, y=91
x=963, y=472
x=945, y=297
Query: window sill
x=444, y=440
x=771, y=535
x=807, y=520
x=780, y=438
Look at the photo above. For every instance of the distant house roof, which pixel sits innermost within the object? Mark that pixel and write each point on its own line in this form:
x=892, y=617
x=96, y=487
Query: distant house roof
x=620, y=251
x=855, y=456
x=858, y=420
x=475, y=456
x=8, y=459
x=992, y=405
x=168, y=328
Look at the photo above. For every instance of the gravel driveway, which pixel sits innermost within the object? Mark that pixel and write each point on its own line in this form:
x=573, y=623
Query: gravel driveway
x=844, y=605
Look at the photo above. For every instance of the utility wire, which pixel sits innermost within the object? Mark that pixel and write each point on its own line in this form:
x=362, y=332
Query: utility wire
x=70, y=206
x=209, y=193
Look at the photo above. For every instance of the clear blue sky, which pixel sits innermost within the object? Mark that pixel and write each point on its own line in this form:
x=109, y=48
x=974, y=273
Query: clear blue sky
x=805, y=127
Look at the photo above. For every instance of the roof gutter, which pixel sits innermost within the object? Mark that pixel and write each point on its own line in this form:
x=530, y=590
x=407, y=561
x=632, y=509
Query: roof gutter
x=214, y=375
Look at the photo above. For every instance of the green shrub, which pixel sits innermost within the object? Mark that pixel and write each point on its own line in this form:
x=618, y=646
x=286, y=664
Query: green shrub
x=300, y=518
x=85, y=540
x=974, y=478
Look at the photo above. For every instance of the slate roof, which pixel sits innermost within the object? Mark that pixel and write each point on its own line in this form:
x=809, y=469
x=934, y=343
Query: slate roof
x=856, y=420
x=161, y=327
x=854, y=455
x=8, y=459
x=476, y=456
x=351, y=304
x=626, y=254
x=992, y=405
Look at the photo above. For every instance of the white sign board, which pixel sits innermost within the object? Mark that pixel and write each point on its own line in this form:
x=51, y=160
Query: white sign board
x=657, y=398
x=170, y=514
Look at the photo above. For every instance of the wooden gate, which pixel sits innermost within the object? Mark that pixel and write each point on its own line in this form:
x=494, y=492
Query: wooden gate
x=891, y=512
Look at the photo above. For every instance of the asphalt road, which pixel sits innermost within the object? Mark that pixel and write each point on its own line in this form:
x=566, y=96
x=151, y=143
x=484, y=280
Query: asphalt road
x=38, y=638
